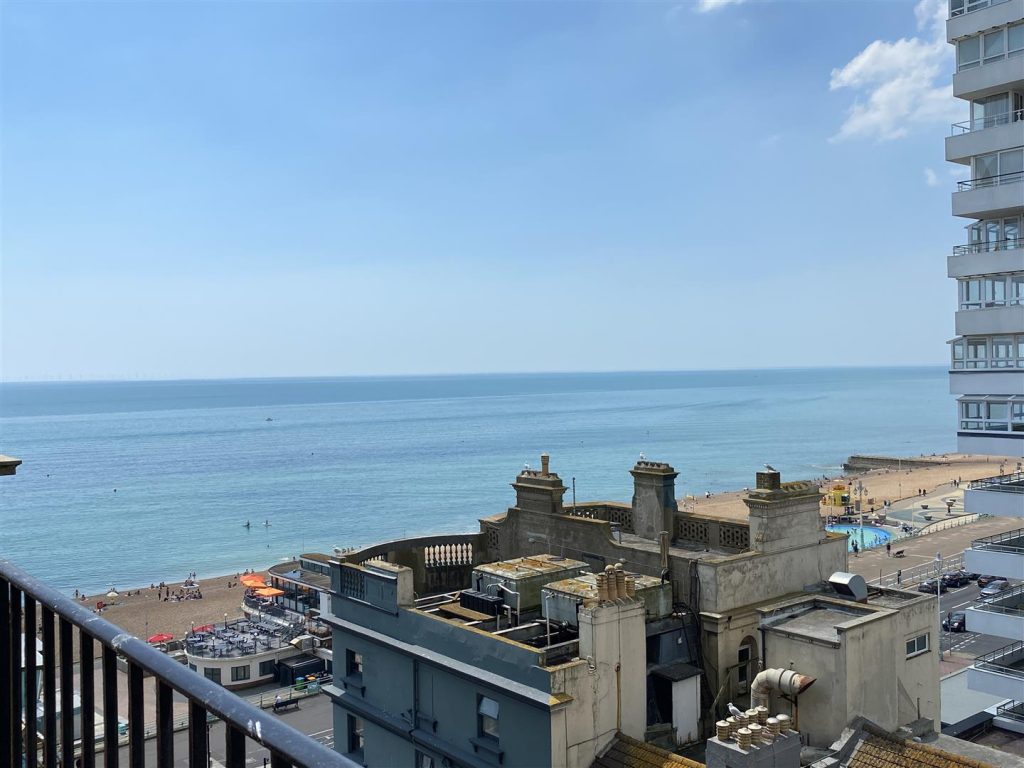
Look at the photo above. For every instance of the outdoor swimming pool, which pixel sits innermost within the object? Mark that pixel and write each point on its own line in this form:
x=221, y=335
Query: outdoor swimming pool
x=866, y=538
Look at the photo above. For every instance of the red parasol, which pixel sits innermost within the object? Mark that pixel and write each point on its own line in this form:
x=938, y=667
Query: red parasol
x=163, y=637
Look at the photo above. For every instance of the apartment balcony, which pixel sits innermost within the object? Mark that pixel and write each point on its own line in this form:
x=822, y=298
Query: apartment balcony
x=988, y=79
x=992, y=196
x=1002, y=616
x=1000, y=673
x=39, y=720
x=990, y=381
x=990, y=321
x=1000, y=555
x=984, y=135
x=992, y=258
x=991, y=444
x=968, y=17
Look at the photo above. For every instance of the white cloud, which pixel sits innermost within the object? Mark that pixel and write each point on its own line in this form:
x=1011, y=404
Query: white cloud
x=930, y=178
x=900, y=84
x=704, y=6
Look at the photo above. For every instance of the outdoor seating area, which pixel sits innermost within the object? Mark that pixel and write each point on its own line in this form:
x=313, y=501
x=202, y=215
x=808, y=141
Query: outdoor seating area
x=237, y=638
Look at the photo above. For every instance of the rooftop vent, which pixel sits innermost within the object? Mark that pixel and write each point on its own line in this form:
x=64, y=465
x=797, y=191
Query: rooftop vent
x=849, y=585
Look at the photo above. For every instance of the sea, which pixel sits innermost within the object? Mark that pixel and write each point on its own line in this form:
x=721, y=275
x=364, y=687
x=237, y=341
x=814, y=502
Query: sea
x=128, y=483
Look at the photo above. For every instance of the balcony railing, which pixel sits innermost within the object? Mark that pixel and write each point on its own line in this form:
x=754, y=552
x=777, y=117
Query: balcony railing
x=991, y=246
x=990, y=181
x=989, y=121
x=1011, y=541
x=1008, y=660
x=25, y=598
x=960, y=7
x=1012, y=483
x=1009, y=603
x=1014, y=710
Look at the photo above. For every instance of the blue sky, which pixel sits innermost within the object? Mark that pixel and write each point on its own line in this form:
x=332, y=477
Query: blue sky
x=243, y=189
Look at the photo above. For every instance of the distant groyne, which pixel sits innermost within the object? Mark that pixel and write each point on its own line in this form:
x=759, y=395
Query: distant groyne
x=864, y=463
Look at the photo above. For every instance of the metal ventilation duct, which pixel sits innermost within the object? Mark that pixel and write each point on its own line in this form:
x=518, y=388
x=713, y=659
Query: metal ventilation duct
x=849, y=585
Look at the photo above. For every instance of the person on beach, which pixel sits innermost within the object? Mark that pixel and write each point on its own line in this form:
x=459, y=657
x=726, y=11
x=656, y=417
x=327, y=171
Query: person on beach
x=888, y=549
x=856, y=550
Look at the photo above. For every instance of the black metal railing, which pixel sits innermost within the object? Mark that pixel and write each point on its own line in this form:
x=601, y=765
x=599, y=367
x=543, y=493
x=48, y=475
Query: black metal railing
x=991, y=246
x=1008, y=660
x=26, y=600
x=1011, y=541
x=1011, y=483
x=990, y=181
x=1013, y=710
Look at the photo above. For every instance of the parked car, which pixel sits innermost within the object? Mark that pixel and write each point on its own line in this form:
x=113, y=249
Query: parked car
x=931, y=585
x=995, y=587
x=973, y=576
x=984, y=581
x=955, y=622
x=956, y=579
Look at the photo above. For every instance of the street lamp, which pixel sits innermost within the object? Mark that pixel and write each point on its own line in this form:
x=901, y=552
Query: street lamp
x=938, y=599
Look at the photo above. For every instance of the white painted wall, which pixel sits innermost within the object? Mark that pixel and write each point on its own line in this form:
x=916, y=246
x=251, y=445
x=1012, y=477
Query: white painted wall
x=686, y=709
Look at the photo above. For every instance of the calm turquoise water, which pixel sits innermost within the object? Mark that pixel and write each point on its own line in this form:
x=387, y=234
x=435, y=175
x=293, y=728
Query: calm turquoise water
x=352, y=461
x=867, y=537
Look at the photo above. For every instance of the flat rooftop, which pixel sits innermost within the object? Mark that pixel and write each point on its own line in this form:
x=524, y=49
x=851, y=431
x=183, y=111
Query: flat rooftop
x=528, y=567
x=817, y=620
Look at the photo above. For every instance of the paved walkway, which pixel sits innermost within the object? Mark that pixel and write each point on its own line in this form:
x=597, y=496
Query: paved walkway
x=921, y=549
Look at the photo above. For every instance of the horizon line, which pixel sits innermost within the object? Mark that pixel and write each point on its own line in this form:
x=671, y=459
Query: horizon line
x=448, y=375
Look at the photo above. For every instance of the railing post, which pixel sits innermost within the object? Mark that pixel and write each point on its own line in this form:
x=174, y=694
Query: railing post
x=8, y=723
x=136, y=725
x=67, y=693
x=164, y=726
x=234, y=746
x=49, y=691
x=111, y=731
x=31, y=687
x=198, y=736
x=15, y=684
x=87, y=686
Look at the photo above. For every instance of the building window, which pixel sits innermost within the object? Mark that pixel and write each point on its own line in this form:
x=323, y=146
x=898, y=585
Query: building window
x=267, y=667
x=1017, y=417
x=240, y=673
x=743, y=671
x=424, y=760
x=917, y=645
x=212, y=673
x=356, y=739
x=970, y=294
x=977, y=353
x=990, y=47
x=192, y=667
x=354, y=664
x=968, y=53
x=487, y=718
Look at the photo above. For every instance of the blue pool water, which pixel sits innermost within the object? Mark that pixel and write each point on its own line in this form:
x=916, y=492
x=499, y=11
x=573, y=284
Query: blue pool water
x=351, y=461
x=867, y=538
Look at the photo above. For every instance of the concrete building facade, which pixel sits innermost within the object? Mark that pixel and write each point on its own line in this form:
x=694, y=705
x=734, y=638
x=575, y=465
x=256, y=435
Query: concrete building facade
x=987, y=354
x=511, y=620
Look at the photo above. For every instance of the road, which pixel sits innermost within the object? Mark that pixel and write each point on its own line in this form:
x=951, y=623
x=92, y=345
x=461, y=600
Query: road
x=969, y=643
x=313, y=717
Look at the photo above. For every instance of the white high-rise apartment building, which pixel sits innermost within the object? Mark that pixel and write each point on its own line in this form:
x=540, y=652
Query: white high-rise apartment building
x=987, y=367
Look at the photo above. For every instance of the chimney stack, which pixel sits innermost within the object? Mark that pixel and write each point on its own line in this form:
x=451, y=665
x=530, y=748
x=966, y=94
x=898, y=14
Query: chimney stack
x=544, y=461
x=654, y=498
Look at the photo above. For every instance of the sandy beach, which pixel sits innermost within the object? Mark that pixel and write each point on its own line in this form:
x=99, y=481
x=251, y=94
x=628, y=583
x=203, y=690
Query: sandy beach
x=880, y=485
x=144, y=614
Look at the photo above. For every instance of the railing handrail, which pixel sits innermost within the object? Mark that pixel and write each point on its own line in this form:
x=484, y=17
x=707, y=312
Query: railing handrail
x=1003, y=118
x=1008, y=244
x=270, y=732
x=993, y=181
